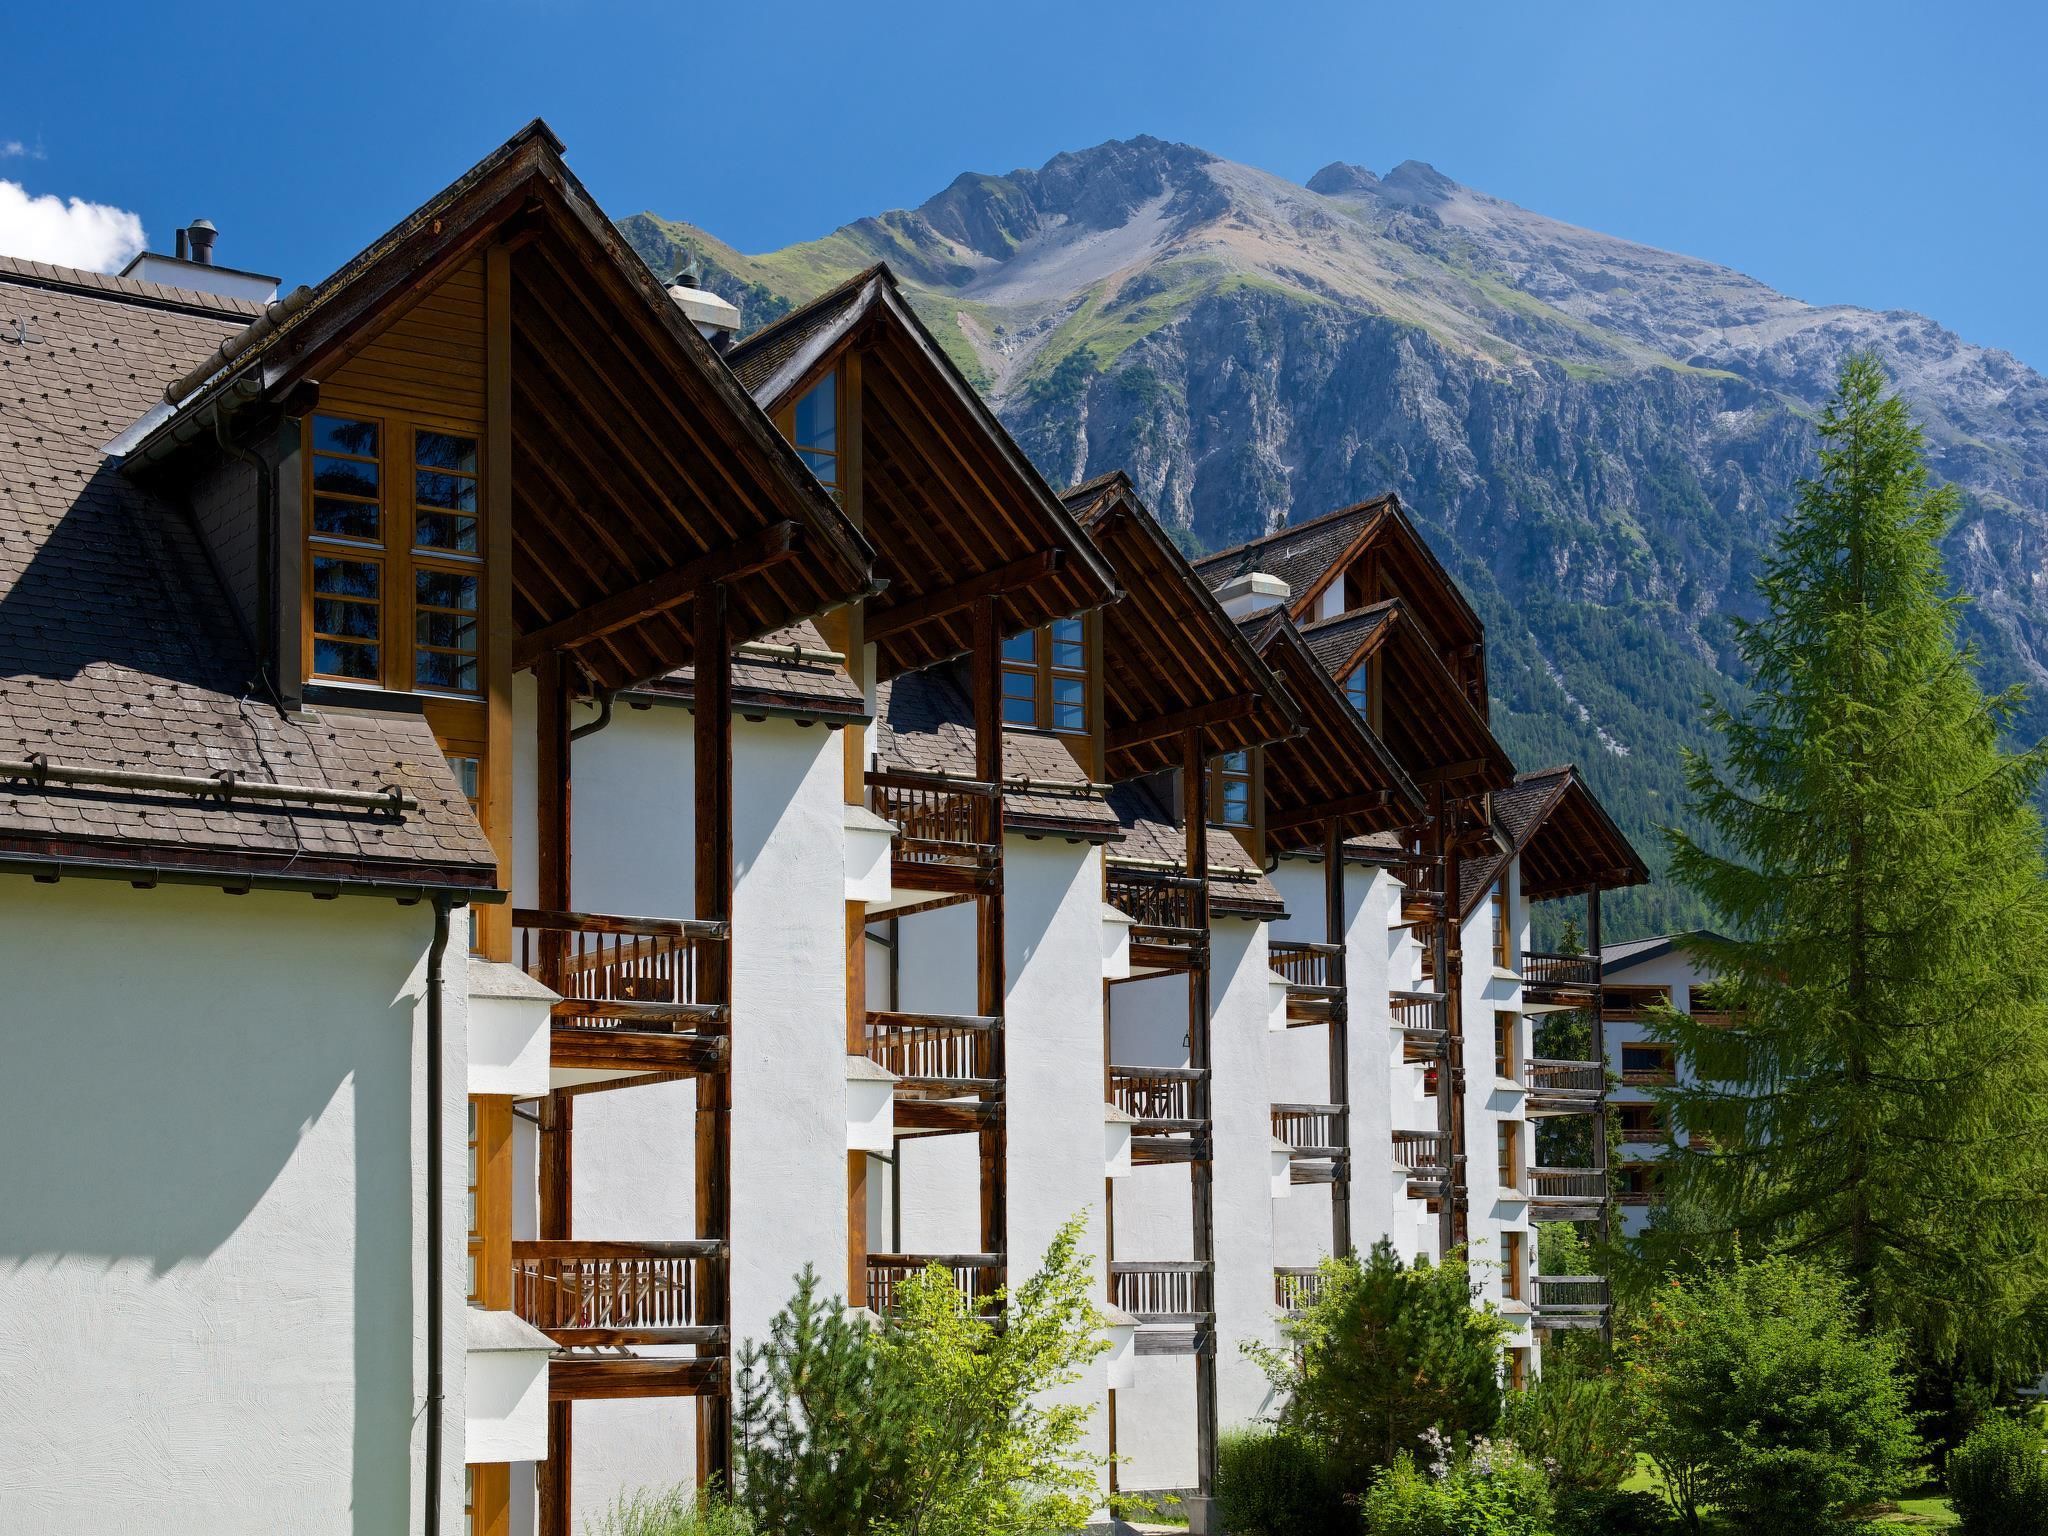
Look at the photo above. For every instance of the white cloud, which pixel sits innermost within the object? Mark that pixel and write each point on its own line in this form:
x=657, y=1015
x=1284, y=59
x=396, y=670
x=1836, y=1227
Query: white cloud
x=69, y=232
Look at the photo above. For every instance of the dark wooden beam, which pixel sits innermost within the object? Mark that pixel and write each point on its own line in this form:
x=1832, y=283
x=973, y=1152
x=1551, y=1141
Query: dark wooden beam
x=1213, y=712
x=712, y=643
x=1450, y=771
x=585, y=1380
x=671, y=589
x=950, y=600
x=1330, y=810
x=991, y=970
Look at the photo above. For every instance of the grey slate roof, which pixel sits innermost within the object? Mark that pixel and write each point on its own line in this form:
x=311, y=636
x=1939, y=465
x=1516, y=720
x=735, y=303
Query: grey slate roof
x=795, y=684
x=1516, y=810
x=116, y=645
x=757, y=359
x=1298, y=555
x=1333, y=642
x=924, y=723
x=1236, y=885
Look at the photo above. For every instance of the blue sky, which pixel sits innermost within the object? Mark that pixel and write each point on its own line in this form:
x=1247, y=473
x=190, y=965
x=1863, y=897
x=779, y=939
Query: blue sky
x=1882, y=154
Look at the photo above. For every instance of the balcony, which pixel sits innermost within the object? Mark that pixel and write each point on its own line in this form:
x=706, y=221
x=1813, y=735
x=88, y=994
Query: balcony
x=1424, y=1155
x=1422, y=894
x=1559, y=981
x=949, y=832
x=1571, y=1301
x=1167, y=1103
x=591, y=1297
x=1171, y=1301
x=1170, y=930
x=1564, y=1087
x=635, y=993
x=1315, y=1138
x=947, y=1067
x=1566, y=1194
x=977, y=1276
x=1419, y=1024
x=1296, y=1288
x=1314, y=974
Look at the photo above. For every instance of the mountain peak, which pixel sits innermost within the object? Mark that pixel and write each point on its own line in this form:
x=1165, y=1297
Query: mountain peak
x=1094, y=189
x=1338, y=178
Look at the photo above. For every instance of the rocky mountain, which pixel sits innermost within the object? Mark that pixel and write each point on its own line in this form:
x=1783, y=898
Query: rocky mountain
x=1596, y=436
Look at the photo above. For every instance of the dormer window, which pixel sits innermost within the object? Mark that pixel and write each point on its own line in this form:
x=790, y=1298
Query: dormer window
x=394, y=555
x=813, y=426
x=1358, y=689
x=1045, y=679
x=1230, y=790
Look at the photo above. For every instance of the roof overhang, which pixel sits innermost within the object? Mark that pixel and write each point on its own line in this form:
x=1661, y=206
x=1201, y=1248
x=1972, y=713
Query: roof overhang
x=956, y=511
x=1567, y=843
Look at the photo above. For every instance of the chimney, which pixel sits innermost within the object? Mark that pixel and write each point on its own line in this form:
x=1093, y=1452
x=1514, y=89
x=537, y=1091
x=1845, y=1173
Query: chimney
x=717, y=321
x=194, y=269
x=1253, y=592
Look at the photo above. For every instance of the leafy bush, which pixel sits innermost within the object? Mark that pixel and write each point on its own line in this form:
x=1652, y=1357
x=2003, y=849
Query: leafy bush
x=1609, y=1512
x=1274, y=1483
x=1998, y=1479
x=1383, y=1355
x=935, y=1423
x=1758, y=1395
x=1576, y=1421
x=1490, y=1490
x=670, y=1512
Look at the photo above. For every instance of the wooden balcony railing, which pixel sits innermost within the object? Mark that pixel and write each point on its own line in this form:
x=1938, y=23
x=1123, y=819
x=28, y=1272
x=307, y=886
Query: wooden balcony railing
x=1648, y=1077
x=1419, y=1021
x=1162, y=1292
x=1422, y=894
x=1546, y=1075
x=1308, y=965
x=1640, y=1134
x=930, y=1050
x=1571, y=1301
x=1296, y=1288
x=646, y=973
x=1567, y=1184
x=1310, y=1130
x=1425, y=1154
x=1572, y=972
x=1164, y=1099
x=1166, y=908
x=592, y=1294
x=975, y=1275
x=948, y=830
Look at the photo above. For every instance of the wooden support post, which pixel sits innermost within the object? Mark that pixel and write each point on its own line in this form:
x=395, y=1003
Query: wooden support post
x=552, y=686
x=991, y=969
x=1201, y=1172
x=1598, y=1027
x=1340, y=1035
x=711, y=645
x=856, y=1045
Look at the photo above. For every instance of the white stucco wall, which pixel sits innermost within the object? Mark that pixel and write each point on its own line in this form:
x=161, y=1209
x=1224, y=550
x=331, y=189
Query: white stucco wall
x=635, y=1159
x=1496, y=1209
x=212, y=1233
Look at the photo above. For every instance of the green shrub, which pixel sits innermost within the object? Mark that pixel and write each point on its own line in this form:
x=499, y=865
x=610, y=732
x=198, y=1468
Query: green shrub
x=1609, y=1512
x=1490, y=1490
x=1275, y=1483
x=1998, y=1479
x=1576, y=1420
x=1758, y=1395
x=670, y=1512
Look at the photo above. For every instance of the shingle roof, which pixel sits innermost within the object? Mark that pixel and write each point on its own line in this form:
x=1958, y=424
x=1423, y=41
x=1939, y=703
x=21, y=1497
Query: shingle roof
x=116, y=649
x=924, y=723
x=1298, y=555
x=794, y=683
x=1237, y=886
x=761, y=356
x=1335, y=641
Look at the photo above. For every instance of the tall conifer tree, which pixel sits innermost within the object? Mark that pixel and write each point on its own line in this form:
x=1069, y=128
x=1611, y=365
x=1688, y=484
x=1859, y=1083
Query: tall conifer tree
x=1882, y=1097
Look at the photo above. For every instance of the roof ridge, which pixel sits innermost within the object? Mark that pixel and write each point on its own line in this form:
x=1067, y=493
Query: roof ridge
x=1349, y=615
x=832, y=295
x=44, y=274
x=1289, y=530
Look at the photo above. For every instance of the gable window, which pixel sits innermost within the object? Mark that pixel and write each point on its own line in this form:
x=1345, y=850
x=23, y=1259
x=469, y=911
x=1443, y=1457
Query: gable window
x=395, y=556
x=813, y=426
x=1045, y=678
x=1230, y=790
x=1358, y=689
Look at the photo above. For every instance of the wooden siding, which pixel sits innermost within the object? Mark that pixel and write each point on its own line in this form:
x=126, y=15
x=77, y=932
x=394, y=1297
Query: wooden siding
x=430, y=360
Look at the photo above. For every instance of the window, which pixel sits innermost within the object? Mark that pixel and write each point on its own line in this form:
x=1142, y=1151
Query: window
x=1230, y=790
x=1504, y=1045
x=1518, y=1370
x=1358, y=689
x=1640, y=1122
x=1621, y=1003
x=1045, y=678
x=813, y=427
x=1646, y=1064
x=1514, y=1264
x=1509, y=1134
x=394, y=552
x=1639, y=1183
x=1503, y=954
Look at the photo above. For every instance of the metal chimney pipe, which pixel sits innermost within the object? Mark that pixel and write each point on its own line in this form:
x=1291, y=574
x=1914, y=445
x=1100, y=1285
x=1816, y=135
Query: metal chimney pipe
x=203, y=235
x=184, y=250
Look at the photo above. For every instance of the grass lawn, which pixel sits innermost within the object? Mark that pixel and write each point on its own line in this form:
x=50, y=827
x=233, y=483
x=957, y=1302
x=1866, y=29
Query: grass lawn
x=1926, y=1510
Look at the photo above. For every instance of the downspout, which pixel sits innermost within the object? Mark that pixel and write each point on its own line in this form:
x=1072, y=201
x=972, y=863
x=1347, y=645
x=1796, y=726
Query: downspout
x=605, y=701
x=436, y=1385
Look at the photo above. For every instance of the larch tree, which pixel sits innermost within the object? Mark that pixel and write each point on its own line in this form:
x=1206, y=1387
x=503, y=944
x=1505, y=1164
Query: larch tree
x=1880, y=1099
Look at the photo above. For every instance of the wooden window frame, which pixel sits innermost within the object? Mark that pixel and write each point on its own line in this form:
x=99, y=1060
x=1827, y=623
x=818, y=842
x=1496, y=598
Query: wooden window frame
x=1505, y=1028
x=1514, y=1265
x=785, y=422
x=1503, y=935
x=1508, y=1150
x=1085, y=743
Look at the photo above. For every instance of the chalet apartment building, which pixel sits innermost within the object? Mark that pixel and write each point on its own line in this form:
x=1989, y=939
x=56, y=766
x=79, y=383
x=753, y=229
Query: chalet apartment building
x=528, y=821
